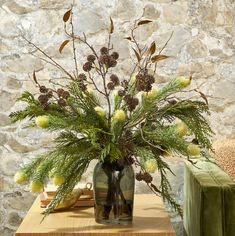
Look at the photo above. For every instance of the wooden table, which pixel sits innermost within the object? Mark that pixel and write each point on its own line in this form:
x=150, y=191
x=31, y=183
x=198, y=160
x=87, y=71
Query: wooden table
x=150, y=218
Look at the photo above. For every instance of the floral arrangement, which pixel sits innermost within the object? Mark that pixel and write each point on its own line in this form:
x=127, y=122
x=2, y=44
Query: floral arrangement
x=139, y=124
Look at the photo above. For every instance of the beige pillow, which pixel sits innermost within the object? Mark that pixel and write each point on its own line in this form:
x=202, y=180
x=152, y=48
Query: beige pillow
x=225, y=155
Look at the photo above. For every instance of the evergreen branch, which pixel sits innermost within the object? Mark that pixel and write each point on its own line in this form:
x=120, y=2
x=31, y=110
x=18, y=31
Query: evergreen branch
x=167, y=90
x=190, y=112
x=30, y=167
x=146, y=153
x=161, y=138
x=72, y=176
x=34, y=109
x=147, y=107
x=41, y=173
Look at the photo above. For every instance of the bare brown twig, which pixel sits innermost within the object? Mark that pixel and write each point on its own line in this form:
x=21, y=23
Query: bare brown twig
x=74, y=48
x=49, y=57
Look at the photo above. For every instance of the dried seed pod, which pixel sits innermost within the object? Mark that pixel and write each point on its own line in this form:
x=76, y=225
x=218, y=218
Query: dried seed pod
x=91, y=58
x=43, y=99
x=104, y=59
x=114, y=79
x=110, y=86
x=82, y=76
x=135, y=101
x=124, y=84
x=83, y=87
x=65, y=94
x=87, y=66
x=147, y=177
x=139, y=176
x=151, y=79
x=127, y=98
x=148, y=87
x=49, y=94
x=104, y=50
x=43, y=89
x=60, y=92
x=112, y=62
x=115, y=55
x=121, y=93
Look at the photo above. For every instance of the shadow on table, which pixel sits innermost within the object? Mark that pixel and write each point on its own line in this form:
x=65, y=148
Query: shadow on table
x=140, y=224
x=82, y=212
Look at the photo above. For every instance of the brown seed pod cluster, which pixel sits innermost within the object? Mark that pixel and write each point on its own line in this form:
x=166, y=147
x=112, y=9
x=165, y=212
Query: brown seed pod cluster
x=63, y=95
x=91, y=58
x=114, y=81
x=126, y=144
x=106, y=59
x=124, y=84
x=87, y=66
x=144, y=81
x=131, y=102
x=82, y=78
x=144, y=176
x=45, y=96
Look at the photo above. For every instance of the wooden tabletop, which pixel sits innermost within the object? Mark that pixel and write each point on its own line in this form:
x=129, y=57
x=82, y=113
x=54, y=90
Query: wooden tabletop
x=150, y=218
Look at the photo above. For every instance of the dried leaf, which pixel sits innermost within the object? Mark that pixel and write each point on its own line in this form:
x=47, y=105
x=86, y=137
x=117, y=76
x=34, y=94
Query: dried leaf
x=152, y=48
x=67, y=15
x=128, y=38
x=34, y=77
x=111, y=26
x=203, y=96
x=159, y=58
x=143, y=22
x=137, y=55
x=63, y=45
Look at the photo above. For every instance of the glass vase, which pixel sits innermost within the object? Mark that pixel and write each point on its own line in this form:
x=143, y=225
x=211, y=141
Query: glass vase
x=113, y=193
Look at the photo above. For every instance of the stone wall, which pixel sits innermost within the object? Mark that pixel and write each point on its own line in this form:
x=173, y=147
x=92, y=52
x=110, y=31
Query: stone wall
x=203, y=44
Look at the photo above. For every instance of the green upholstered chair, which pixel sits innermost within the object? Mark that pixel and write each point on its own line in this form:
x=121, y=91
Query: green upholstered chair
x=209, y=200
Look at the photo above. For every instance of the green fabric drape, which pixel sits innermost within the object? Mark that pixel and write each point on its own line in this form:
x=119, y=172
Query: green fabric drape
x=209, y=200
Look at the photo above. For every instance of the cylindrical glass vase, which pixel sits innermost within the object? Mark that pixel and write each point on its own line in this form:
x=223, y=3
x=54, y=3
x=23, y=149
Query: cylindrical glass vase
x=113, y=193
